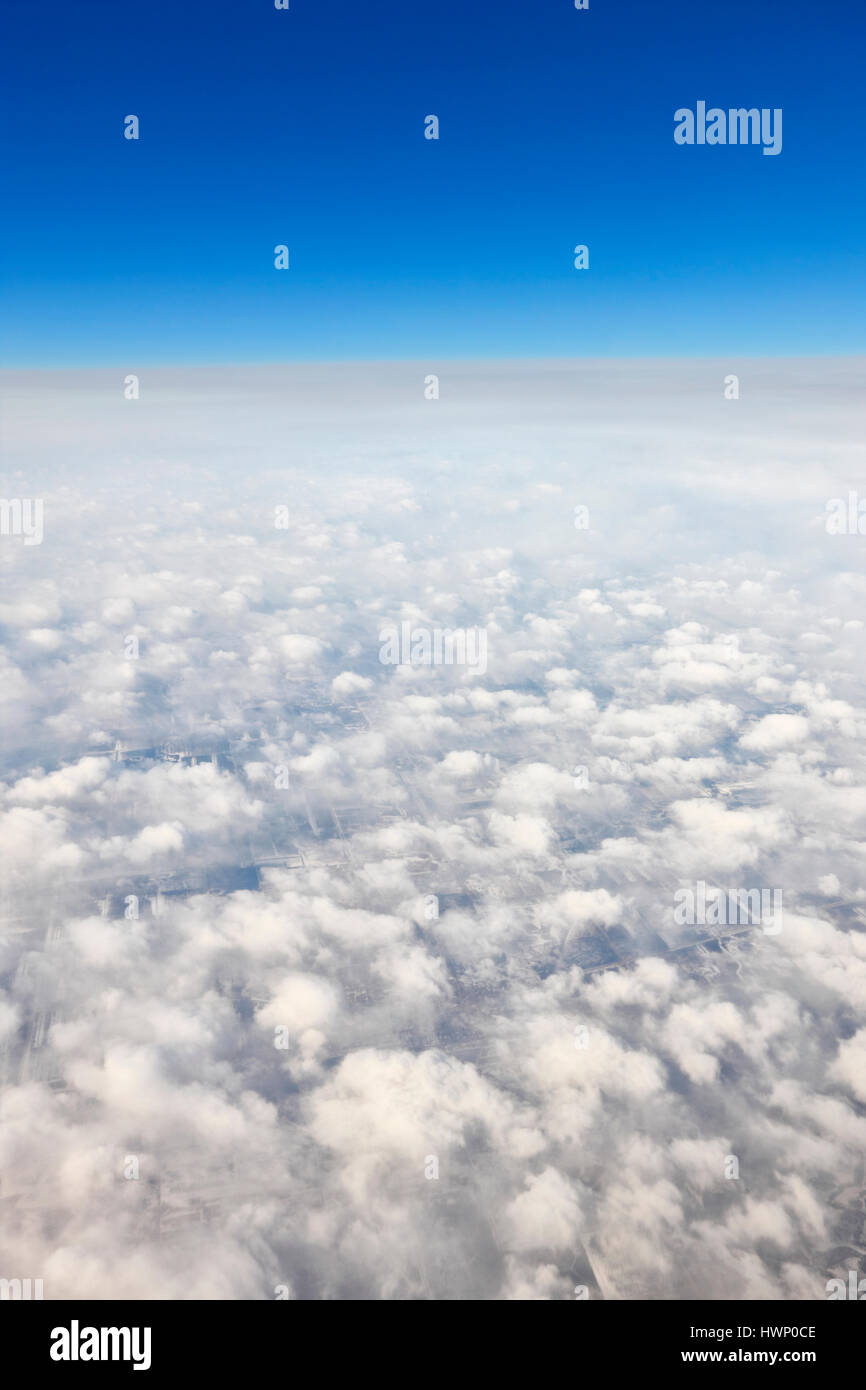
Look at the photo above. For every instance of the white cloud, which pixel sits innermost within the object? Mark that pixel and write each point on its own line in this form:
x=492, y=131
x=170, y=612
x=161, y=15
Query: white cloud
x=775, y=731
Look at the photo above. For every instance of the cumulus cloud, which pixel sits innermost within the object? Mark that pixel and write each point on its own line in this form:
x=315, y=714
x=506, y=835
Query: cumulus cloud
x=775, y=731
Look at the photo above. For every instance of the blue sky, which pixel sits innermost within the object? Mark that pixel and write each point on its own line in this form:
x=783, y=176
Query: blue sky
x=305, y=127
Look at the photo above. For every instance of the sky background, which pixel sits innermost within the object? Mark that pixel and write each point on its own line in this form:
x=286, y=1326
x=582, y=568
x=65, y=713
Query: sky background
x=305, y=127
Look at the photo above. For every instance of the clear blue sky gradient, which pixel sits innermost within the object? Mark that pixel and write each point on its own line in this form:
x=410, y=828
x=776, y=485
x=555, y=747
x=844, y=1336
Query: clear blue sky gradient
x=305, y=127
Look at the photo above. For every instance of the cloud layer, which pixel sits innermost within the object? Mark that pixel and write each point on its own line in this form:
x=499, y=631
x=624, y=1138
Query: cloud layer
x=357, y=980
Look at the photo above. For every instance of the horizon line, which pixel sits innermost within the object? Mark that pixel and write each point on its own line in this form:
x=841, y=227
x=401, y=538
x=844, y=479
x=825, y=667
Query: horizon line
x=204, y=365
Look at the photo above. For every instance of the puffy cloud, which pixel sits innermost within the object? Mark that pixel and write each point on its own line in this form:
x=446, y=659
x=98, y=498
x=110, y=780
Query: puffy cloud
x=775, y=731
x=850, y=1065
x=350, y=683
x=545, y=1216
